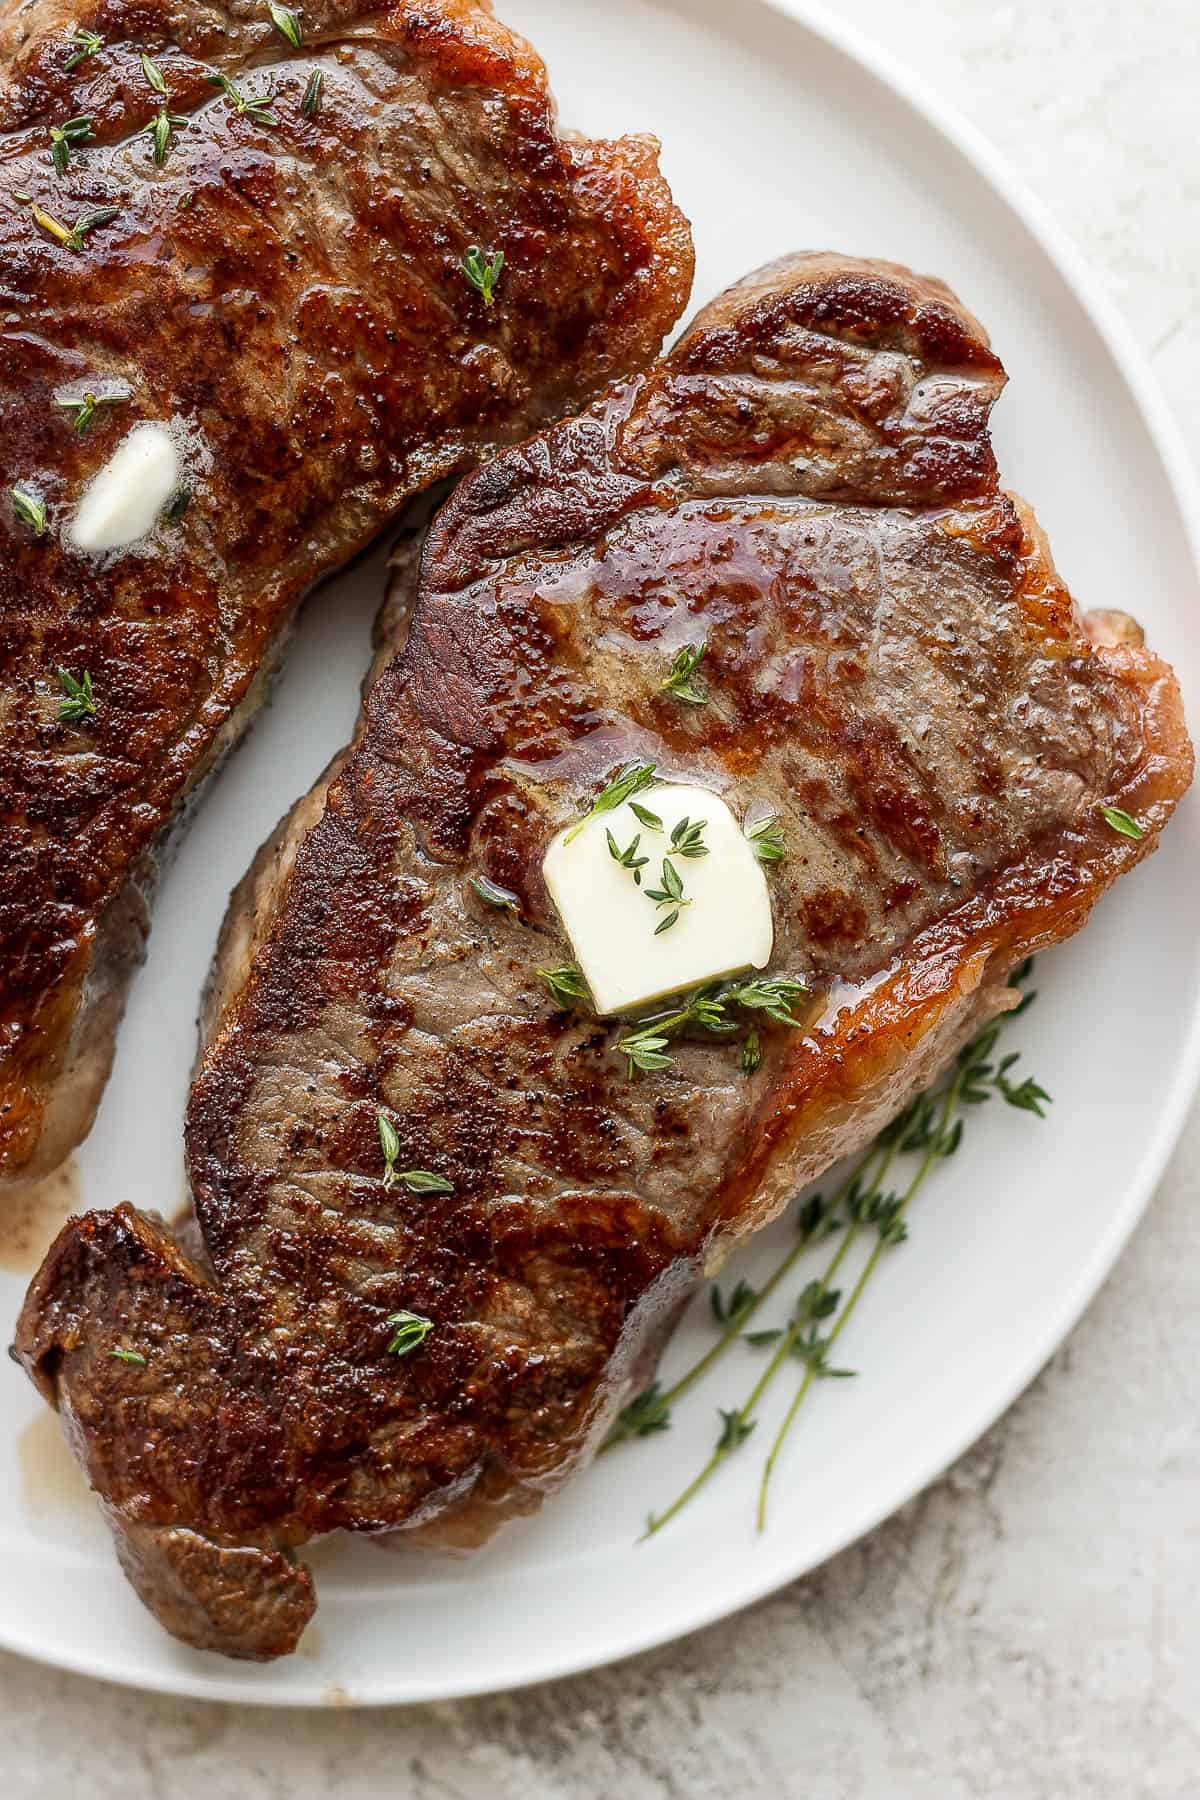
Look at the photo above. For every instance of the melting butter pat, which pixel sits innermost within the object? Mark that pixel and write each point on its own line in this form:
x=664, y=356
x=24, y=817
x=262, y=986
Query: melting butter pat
x=611, y=922
x=125, y=498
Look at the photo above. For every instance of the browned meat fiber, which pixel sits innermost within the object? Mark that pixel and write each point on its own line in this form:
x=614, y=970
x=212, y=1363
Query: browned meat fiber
x=807, y=482
x=282, y=276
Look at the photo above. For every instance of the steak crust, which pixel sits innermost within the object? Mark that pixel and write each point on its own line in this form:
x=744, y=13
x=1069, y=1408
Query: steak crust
x=893, y=666
x=292, y=296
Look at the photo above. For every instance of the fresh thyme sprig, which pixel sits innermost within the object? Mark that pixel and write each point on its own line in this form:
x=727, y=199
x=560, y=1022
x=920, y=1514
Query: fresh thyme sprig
x=78, y=703
x=628, y=858
x=567, y=984
x=683, y=666
x=67, y=137
x=687, y=838
x=310, y=106
x=258, y=110
x=411, y=1331
x=776, y=995
x=625, y=783
x=766, y=839
x=86, y=408
x=483, y=272
x=705, y=1010
x=286, y=23
x=82, y=44
x=417, y=1181
x=30, y=509
x=159, y=130
x=930, y=1128
x=1122, y=822
x=670, y=894
x=71, y=237
x=153, y=74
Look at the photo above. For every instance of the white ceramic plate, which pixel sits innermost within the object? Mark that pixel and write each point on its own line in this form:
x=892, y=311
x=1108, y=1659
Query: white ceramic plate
x=780, y=131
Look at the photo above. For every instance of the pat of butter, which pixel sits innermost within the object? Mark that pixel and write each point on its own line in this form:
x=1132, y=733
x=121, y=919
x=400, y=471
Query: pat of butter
x=611, y=923
x=123, y=501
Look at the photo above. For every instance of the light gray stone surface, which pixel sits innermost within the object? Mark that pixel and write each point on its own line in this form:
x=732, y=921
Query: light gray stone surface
x=1030, y=1628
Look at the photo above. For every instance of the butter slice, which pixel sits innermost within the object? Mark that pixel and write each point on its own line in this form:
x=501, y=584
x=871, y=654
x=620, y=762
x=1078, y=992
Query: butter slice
x=611, y=922
x=124, y=499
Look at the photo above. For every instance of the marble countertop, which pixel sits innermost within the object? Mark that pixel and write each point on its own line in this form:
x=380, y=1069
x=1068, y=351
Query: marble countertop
x=1030, y=1627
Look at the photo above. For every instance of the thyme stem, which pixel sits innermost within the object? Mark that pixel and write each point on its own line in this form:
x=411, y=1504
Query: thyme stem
x=932, y=1152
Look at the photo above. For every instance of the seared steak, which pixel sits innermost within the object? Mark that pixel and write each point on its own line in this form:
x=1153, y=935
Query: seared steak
x=286, y=285
x=892, y=666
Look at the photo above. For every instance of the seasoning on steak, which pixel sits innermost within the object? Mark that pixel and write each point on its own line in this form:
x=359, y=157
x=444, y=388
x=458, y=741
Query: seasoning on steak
x=892, y=666
x=288, y=287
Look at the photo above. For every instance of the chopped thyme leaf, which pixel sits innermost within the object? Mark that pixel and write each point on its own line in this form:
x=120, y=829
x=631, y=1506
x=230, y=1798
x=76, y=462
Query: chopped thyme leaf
x=389, y=1143
x=424, y=1181
x=751, y=1053
x=493, y=895
x=645, y=817
x=72, y=238
x=153, y=74
x=29, y=509
x=86, y=409
x=411, y=1331
x=625, y=783
x=129, y=1356
x=483, y=272
x=1122, y=822
x=285, y=22
x=82, y=44
x=160, y=128
x=683, y=667
x=310, y=106
x=66, y=137
x=566, y=984
x=628, y=858
x=687, y=839
x=258, y=110
x=79, y=702
x=767, y=839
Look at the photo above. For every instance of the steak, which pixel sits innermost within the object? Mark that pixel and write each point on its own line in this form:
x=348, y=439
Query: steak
x=806, y=481
x=288, y=288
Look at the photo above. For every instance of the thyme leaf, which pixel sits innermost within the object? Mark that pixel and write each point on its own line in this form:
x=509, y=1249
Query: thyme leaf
x=628, y=858
x=625, y=783
x=30, y=509
x=766, y=839
x=129, y=1356
x=687, y=838
x=411, y=1331
x=257, y=109
x=86, y=408
x=1122, y=822
x=82, y=45
x=483, y=272
x=310, y=106
x=153, y=74
x=78, y=702
x=71, y=238
x=68, y=136
x=492, y=894
x=683, y=666
x=567, y=984
x=645, y=817
x=286, y=23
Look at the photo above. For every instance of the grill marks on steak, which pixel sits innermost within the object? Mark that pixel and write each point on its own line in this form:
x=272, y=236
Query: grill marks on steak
x=893, y=666
x=294, y=295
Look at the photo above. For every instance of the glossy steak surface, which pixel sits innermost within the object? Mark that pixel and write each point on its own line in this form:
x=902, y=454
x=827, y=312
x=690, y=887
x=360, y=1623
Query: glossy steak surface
x=806, y=485
x=277, y=273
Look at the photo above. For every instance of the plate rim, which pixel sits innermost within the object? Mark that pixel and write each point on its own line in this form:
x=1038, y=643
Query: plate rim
x=1166, y=437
